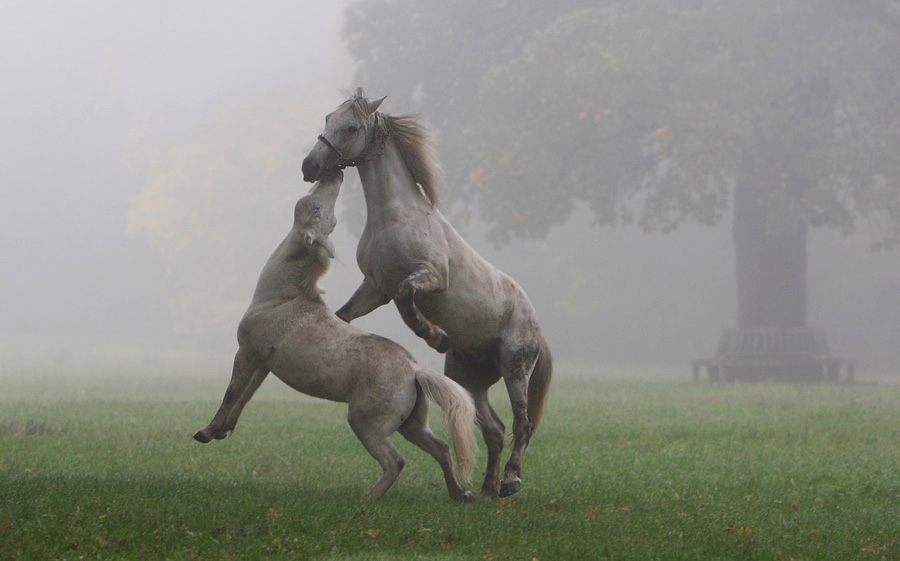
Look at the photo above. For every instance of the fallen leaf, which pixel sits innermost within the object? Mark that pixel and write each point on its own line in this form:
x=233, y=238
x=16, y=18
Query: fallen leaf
x=373, y=532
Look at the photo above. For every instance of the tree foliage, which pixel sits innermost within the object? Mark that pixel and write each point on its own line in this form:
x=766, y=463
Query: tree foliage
x=648, y=111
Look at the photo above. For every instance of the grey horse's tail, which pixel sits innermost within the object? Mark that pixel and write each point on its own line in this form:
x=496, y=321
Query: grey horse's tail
x=539, y=383
x=459, y=414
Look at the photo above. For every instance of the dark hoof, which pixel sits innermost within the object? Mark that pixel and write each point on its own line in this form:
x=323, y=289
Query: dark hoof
x=444, y=344
x=468, y=497
x=488, y=492
x=508, y=488
x=200, y=437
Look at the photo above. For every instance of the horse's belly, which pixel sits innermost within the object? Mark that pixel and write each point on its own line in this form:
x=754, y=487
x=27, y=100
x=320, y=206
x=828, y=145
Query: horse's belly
x=311, y=367
x=469, y=322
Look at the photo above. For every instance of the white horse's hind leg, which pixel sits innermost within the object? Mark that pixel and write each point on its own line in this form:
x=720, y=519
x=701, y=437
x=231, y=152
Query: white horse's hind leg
x=416, y=430
x=383, y=450
x=243, y=375
x=374, y=431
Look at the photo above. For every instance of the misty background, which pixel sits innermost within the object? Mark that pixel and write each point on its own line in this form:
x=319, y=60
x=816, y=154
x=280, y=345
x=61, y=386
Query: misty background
x=151, y=159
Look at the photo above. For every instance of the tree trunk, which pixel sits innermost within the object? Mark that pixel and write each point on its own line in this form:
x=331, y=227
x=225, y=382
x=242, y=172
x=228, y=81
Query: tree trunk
x=771, y=264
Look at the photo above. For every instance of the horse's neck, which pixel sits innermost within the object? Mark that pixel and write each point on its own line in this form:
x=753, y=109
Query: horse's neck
x=289, y=275
x=387, y=183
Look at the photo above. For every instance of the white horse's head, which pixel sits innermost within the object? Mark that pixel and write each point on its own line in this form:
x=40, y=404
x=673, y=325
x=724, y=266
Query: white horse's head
x=314, y=218
x=348, y=134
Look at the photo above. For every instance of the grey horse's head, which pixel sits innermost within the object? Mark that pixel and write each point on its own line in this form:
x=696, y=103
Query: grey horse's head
x=348, y=132
x=314, y=218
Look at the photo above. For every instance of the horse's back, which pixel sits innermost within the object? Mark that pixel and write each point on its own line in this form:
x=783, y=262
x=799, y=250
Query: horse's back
x=324, y=357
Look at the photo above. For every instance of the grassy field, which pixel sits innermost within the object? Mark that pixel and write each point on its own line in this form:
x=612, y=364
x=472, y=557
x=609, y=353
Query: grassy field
x=618, y=470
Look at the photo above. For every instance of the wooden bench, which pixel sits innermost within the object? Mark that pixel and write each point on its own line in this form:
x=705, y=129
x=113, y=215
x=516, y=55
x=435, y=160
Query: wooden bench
x=797, y=355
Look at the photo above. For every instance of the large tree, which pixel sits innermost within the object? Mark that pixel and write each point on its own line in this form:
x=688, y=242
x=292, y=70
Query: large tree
x=784, y=111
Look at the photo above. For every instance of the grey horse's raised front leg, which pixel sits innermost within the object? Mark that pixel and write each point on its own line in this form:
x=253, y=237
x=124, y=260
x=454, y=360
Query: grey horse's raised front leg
x=426, y=279
x=367, y=298
x=246, y=376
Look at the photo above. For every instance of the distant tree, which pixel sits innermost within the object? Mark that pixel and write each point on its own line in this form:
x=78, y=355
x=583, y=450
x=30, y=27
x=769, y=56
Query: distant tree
x=656, y=113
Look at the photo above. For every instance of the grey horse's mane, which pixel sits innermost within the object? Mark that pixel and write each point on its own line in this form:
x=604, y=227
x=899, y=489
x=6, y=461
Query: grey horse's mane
x=416, y=147
x=414, y=143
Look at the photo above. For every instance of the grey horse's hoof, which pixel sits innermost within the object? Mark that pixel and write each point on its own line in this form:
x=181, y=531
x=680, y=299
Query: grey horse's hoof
x=512, y=487
x=468, y=497
x=200, y=437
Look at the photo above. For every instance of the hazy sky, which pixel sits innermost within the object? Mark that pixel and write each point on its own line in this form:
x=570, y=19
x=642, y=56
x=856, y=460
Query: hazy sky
x=88, y=88
x=151, y=158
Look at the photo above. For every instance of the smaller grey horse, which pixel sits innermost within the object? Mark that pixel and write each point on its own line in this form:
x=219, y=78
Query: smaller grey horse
x=290, y=331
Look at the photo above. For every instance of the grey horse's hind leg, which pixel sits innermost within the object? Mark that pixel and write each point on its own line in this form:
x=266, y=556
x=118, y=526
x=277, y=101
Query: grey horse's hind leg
x=416, y=430
x=425, y=278
x=244, y=376
x=492, y=430
x=516, y=364
x=477, y=375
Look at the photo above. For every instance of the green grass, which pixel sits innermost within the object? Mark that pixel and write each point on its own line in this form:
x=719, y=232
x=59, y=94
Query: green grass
x=618, y=470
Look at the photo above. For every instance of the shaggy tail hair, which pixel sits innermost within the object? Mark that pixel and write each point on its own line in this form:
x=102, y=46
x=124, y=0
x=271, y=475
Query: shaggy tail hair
x=539, y=384
x=459, y=415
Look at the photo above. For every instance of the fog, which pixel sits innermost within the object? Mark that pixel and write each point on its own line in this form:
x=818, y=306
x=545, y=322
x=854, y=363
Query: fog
x=151, y=159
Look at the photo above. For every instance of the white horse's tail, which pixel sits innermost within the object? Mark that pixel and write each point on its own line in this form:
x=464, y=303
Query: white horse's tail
x=459, y=415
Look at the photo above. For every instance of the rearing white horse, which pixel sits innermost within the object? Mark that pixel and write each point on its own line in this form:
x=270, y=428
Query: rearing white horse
x=289, y=331
x=445, y=291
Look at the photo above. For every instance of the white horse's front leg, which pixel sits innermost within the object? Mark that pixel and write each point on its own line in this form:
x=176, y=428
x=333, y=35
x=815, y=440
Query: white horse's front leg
x=246, y=375
x=367, y=298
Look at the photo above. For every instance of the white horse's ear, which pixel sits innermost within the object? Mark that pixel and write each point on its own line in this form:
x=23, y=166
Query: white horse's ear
x=373, y=105
x=327, y=246
x=308, y=237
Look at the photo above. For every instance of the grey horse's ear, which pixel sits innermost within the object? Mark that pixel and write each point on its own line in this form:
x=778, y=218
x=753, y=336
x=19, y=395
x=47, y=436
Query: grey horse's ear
x=373, y=105
x=308, y=237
